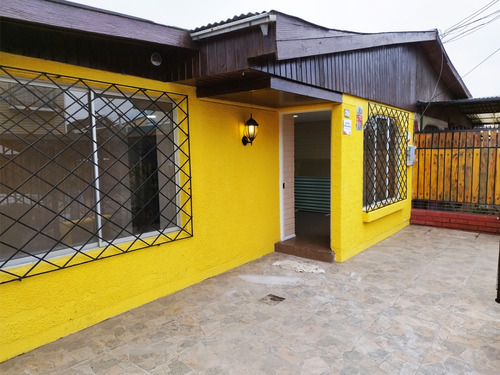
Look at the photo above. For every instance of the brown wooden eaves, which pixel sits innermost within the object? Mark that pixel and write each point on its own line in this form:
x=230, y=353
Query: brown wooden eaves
x=302, y=47
x=95, y=51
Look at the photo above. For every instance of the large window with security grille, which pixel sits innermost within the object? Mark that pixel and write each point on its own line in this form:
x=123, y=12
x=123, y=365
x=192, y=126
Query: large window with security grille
x=385, y=143
x=88, y=166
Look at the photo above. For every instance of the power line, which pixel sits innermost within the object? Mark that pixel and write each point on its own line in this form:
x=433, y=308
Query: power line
x=470, y=71
x=435, y=87
x=446, y=33
x=469, y=24
x=466, y=74
x=466, y=19
x=472, y=30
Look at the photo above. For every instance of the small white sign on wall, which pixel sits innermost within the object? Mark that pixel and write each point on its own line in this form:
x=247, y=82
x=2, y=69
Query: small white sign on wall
x=359, y=118
x=347, y=127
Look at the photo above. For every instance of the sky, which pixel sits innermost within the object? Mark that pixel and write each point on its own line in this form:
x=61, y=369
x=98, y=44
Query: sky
x=466, y=52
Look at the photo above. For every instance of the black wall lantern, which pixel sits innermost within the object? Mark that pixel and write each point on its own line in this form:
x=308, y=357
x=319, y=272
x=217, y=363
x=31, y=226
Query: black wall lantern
x=250, y=131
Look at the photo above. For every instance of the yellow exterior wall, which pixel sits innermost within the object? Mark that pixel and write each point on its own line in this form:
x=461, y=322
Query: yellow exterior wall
x=353, y=230
x=235, y=192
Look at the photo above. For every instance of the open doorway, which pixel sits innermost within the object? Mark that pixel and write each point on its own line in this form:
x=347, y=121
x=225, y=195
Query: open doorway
x=312, y=152
x=306, y=184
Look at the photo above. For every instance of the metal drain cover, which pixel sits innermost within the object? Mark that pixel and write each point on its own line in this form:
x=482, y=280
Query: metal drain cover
x=271, y=299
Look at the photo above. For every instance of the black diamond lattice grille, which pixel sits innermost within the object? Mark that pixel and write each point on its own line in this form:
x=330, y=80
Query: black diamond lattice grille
x=385, y=142
x=88, y=170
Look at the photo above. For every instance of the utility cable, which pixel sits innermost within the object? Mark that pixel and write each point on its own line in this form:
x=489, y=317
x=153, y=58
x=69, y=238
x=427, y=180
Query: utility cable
x=470, y=24
x=466, y=19
x=449, y=87
x=446, y=33
x=471, y=30
x=466, y=74
x=470, y=71
x=435, y=88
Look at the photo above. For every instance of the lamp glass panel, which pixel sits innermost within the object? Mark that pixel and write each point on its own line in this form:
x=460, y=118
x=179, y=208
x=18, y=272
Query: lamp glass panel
x=251, y=131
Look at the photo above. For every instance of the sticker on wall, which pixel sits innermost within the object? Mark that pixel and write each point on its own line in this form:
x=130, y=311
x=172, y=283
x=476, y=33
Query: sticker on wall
x=347, y=127
x=347, y=113
x=359, y=118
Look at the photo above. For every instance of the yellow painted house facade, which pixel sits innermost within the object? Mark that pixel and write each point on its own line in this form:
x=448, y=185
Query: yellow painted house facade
x=84, y=148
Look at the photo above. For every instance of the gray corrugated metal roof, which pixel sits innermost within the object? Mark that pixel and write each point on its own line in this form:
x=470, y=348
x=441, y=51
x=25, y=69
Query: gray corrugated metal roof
x=481, y=111
x=229, y=20
x=472, y=105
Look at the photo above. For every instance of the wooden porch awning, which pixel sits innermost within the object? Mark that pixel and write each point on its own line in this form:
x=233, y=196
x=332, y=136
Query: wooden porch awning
x=258, y=88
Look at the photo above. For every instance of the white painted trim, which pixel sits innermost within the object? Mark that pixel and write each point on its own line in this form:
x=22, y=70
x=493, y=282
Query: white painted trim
x=98, y=245
x=281, y=157
x=282, y=204
x=281, y=180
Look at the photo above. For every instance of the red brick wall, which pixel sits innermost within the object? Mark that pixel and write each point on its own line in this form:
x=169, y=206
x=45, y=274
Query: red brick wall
x=456, y=220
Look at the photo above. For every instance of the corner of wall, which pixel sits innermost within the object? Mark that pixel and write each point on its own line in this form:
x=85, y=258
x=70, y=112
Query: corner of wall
x=352, y=229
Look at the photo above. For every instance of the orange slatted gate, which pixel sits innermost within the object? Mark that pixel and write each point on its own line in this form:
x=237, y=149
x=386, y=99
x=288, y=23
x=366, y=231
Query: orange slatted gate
x=458, y=171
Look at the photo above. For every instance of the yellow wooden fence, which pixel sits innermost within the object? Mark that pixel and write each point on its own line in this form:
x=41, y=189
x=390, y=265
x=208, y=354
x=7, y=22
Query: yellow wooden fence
x=458, y=166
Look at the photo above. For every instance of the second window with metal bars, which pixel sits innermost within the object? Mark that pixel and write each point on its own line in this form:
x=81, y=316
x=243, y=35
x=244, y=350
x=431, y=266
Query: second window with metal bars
x=385, y=146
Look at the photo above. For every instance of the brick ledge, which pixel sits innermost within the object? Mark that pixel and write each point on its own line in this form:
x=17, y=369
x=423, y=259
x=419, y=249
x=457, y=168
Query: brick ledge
x=456, y=220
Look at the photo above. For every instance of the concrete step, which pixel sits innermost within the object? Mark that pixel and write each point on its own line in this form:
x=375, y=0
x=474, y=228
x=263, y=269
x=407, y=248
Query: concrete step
x=309, y=248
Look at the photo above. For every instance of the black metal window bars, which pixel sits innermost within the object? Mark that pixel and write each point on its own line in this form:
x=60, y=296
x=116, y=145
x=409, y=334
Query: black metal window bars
x=385, y=148
x=88, y=170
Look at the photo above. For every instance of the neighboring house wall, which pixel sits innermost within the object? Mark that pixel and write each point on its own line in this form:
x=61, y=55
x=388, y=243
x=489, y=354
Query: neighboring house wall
x=354, y=230
x=232, y=186
x=431, y=121
x=444, y=118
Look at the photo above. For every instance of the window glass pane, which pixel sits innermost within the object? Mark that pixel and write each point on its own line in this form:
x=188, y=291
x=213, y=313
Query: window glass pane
x=44, y=171
x=113, y=167
x=135, y=144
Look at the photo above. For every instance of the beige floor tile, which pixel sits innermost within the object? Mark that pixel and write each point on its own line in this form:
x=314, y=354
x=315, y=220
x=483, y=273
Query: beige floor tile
x=420, y=302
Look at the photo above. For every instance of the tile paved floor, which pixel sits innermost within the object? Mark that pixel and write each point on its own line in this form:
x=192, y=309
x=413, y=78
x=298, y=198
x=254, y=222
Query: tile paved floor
x=420, y=302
